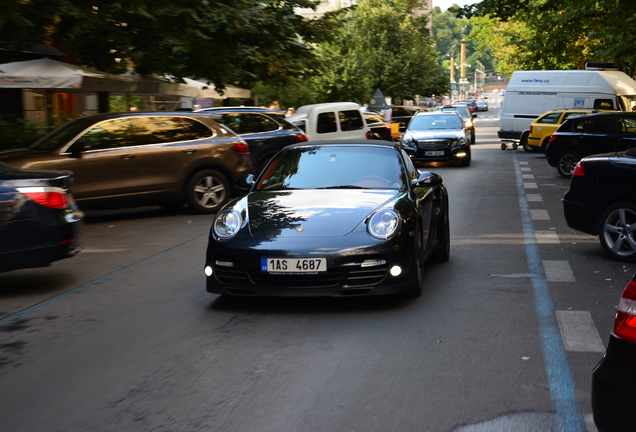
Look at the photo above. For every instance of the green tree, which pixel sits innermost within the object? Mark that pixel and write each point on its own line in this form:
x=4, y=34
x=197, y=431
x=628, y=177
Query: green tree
x=560, y=34
x=380, y=44
x=228, y=41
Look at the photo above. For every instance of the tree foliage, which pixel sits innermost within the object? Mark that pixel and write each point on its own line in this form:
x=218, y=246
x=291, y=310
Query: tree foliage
x=228, y=41
x=560, y=34
x=380, y=44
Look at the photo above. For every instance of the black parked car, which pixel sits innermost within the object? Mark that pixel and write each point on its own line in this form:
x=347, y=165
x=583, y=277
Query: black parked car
x=265, y=131
x=614, y=378
x=438, y=136
x=588, y=135
x=338, y=218
x=602, y=201
x=134, y=159
x=39, y=220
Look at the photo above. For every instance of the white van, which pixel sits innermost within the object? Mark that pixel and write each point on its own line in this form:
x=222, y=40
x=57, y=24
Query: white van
x=331, y=121
x=532, y=93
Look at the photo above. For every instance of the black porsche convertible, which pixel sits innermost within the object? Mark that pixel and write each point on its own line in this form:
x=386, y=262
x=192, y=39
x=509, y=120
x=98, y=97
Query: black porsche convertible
x=347, y=218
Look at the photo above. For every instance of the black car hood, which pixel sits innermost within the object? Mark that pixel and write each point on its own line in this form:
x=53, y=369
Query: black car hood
x=309, y=213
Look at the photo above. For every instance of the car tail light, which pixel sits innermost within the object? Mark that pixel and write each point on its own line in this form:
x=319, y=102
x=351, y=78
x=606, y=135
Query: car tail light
x=530, y=129
x=552, y=138
x=301, y=138
x=241, y=147
x=579, y=170
x=51, y=197
x=625, y=321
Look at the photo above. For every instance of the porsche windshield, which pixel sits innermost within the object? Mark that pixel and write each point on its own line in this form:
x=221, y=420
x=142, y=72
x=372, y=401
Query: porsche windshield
x=335, y=167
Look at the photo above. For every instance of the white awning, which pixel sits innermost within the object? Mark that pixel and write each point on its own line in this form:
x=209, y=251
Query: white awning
x=54, y=75
x=208, y=91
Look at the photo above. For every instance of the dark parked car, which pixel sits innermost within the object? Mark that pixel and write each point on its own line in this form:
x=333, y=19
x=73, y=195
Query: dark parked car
x=347, y=218
x=614, y=378
x=379, y=128
x=134, y=159
x=482, y=106
x=602, y=201
x=403, y=114
x=437, y=136
x=588, y=135
x=265, y=131
x=39, y=220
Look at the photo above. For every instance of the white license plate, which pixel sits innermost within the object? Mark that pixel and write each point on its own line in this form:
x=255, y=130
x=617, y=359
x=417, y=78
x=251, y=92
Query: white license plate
x=294, y=265
x=434, y=153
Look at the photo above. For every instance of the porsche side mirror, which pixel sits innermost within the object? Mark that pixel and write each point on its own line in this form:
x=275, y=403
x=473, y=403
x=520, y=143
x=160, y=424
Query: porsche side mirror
x=245, y=182
x=427, y=179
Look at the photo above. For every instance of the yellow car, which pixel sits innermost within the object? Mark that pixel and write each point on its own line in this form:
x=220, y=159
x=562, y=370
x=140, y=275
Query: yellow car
x=536, y=138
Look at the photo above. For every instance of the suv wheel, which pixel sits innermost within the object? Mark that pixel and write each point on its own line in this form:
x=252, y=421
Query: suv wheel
x=617, y=232
x=207, y=191
x=567, y=162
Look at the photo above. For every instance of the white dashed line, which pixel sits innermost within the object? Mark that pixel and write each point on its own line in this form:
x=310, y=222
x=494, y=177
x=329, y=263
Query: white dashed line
x=578, y=332
x=558, y=271
x=534, y=197
x=539, y=214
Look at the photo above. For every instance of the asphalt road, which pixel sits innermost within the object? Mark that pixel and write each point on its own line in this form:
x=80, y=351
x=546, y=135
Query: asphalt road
x=123, y=337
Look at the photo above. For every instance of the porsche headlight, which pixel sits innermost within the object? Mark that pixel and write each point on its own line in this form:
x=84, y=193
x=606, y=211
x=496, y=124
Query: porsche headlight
x=227, y=223
x=383, y=224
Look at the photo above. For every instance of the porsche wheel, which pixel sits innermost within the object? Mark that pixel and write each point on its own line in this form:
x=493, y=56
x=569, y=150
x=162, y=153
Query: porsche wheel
x=207, y=191
x=618, y=232
x=416, y=288
x=442, y=251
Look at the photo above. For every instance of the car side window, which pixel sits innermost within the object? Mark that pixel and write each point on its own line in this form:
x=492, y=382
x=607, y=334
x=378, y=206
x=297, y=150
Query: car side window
x=551, y=118
x=626, y=125
x=158, y=130
x=593, y=125
x=108, y=134
x=603, y=104
x=243, y=123
x=326, y=123
x=351, y=120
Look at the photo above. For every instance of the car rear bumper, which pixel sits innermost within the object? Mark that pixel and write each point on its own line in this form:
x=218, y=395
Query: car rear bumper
x=578, y=217
x=512, y=135
x=613, y=382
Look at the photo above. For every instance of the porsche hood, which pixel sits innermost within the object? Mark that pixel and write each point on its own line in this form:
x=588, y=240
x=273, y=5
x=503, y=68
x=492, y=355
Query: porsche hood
x=324, y=213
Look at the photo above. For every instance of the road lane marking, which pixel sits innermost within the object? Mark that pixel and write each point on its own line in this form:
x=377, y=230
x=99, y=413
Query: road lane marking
x=547, y=237
x=530, y=185
x=539, y=214
x=579, y=332
x=534, y=197
x=558, y=271
x=560, y=379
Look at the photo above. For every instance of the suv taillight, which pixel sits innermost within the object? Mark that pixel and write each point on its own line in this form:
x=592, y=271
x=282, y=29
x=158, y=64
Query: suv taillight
x=301, y=138
x=625, y=321
x=579, y=170
x=552, y=138
x=51, y=197
x=241, y=147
